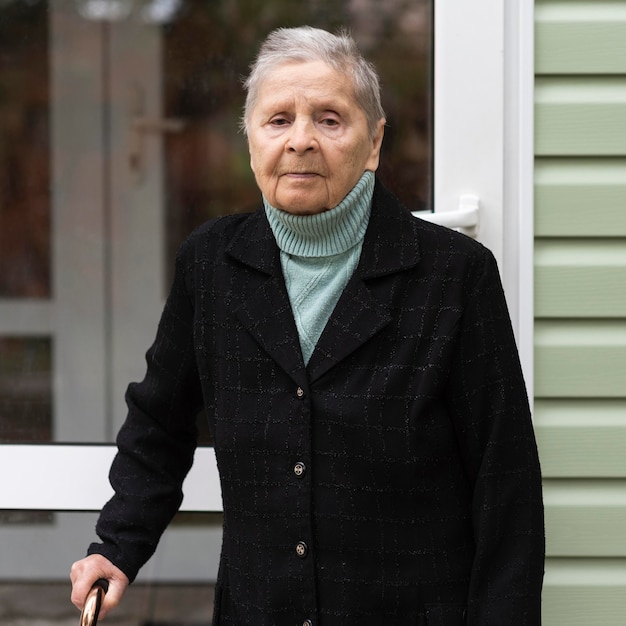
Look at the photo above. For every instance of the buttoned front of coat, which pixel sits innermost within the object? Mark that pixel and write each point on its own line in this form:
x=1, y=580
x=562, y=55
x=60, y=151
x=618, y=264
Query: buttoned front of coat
x=394, y=480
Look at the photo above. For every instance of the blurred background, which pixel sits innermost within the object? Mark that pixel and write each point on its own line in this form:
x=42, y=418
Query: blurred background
x=119, y=134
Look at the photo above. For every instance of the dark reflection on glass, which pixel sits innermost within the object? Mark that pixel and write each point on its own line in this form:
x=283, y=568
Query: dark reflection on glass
x=25, y=389
x=26, y=518
x=207, y=48
x=24, y=150
x=146, y=603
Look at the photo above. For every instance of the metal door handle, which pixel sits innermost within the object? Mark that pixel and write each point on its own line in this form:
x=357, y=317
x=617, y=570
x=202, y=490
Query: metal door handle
x=91, y=610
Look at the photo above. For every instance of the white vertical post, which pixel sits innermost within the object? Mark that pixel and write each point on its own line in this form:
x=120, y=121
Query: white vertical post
x=469, y=111
x=518, y=267
x=137, y=201
x=78, y=227
x=484, y=137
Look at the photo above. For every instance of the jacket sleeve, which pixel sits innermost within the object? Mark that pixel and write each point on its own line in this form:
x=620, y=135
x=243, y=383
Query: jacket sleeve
x=489, y=407
x=156, y=444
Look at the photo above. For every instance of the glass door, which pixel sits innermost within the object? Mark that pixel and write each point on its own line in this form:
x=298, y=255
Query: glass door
x=53, y=348
x=119, y=135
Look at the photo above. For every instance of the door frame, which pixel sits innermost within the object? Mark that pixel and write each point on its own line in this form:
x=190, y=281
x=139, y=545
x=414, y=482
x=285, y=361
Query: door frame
x=484, y=138
x=486, y=49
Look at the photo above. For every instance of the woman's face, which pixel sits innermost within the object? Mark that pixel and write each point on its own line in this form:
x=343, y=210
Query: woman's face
x=308, y=139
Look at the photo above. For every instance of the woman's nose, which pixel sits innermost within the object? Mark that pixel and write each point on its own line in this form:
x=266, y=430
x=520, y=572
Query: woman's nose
x=301, y=137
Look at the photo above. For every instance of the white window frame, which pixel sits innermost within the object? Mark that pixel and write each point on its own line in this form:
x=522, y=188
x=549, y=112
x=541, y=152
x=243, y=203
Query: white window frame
x=483, y=148
x=484, y=125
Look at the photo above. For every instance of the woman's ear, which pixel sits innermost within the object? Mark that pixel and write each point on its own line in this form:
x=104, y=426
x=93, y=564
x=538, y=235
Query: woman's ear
x=377, y=142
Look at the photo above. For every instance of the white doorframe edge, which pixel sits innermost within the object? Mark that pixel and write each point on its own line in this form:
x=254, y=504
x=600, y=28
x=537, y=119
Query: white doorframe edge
x=518, y=248
x=61, y=477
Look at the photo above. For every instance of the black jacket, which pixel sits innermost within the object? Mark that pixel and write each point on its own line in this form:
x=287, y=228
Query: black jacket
x=392, y=481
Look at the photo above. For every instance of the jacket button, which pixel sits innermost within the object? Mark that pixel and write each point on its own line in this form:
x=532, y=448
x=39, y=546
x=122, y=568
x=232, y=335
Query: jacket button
x=301, y=549
x=299, y=469
x=300, y=392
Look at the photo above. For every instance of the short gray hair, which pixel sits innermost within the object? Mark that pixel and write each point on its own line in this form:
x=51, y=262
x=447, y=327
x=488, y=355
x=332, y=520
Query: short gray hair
x=304, y=44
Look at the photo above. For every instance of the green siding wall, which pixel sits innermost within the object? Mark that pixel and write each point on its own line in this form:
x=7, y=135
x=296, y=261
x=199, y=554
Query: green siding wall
x=580, y=305
x=581, y=197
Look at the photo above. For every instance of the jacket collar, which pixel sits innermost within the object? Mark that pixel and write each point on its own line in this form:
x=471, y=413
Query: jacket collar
x=254, y=244
x=390, y=246
x=390, y=243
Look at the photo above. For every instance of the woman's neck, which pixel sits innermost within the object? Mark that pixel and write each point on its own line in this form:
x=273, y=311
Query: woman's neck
x=328, y=233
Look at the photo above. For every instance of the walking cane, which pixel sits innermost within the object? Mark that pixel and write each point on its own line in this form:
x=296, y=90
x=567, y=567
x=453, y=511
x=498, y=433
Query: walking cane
x=91, y=610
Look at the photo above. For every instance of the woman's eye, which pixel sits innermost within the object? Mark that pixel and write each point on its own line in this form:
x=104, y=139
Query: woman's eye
x=329, y=121
x=278, y=121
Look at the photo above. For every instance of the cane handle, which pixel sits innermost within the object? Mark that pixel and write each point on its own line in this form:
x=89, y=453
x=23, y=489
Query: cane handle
x=91, y=610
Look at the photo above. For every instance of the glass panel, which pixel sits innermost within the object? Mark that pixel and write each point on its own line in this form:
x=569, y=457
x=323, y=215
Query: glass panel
x=25, y=405
x=24, y=146
x=25, y=389
x=207, y=46
x=144, y=604
x=42, y=549
x=32, y=603
x=207, y=49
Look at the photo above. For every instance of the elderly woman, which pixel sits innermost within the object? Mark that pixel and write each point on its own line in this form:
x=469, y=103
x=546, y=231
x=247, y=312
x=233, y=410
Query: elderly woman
x=376, y=455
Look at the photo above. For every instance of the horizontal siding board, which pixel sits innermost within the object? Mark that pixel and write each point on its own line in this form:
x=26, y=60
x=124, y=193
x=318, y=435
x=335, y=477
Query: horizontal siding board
x=585, y=518
x=580, y=292
x=584, y=278
x=580, y=211
x=587, y=572
x=579, y=10
x=566, y=46
x=577, y=359
x=584, y=592
x=580, y=116
x=580, y=197
x=582, y=451
x=581, y=438
x=584, y=606
x=580, y=129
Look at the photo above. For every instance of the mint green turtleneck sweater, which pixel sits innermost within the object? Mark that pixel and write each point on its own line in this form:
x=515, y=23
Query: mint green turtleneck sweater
x=319, y=254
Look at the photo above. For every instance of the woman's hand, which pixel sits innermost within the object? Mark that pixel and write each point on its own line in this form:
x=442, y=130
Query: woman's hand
x=84, y=574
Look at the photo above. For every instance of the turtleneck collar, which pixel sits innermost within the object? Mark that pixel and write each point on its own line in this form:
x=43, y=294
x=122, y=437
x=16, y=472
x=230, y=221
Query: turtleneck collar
x=329, y=233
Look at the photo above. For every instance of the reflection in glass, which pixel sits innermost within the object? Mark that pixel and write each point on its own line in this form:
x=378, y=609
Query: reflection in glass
x=25, y=389
x=207, y=49
x=207, y=46
x=149, y=11
x=24, y=150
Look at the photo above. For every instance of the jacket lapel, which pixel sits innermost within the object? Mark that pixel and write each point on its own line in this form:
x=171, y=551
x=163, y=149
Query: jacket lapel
x=389, y=248
x=356, y=318
x=265, y=310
